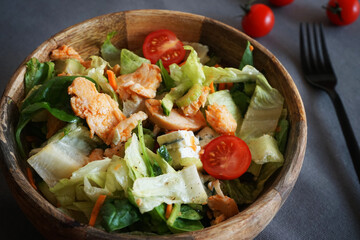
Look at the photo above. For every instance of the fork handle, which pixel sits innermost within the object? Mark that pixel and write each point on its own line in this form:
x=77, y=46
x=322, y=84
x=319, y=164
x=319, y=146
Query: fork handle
x=347, y=131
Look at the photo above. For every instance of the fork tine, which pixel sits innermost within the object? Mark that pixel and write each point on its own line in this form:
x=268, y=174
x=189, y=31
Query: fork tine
x=303, y=49
x=311, y=59
x=320, y=58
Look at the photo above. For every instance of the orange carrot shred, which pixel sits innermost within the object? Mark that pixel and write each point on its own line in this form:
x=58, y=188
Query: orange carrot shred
x=31, y=178
x=251, y=47
x=168, y=211
x=193, y=145
x=112, y=79
x=212, y=89
x=96, y=209
x=217, y=65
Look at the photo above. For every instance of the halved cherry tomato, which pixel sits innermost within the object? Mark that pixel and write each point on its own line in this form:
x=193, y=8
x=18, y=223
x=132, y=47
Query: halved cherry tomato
x=226, y=157
x=343, y=12
x=163, y=44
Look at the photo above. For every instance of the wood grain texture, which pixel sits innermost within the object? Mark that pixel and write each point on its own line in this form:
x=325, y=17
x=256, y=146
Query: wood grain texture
x=132, y=27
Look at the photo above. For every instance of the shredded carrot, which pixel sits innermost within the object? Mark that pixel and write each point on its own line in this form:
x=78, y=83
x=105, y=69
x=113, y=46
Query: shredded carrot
x=96, y=209
x=168, y=210
x=193, y=145
x=212, y=89
x=217, y=65
x=112, y=79
x=31, y=178
x=251, y=47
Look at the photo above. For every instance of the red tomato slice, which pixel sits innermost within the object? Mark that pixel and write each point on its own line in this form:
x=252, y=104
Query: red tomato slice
x=226, y=157
x=163, y=44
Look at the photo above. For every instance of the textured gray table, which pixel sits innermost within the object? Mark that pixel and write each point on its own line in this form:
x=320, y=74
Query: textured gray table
x=325, y=203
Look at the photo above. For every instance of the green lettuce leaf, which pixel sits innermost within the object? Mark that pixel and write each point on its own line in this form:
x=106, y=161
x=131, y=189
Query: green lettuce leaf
x=96, y=72
x=265, y=149
x=281, y=133
x=37, y=73
x=117, y=177
x=193, y=68
x=134, y=160
x=226, y=75
x=52, y=96
x=263, y=112
x=109, y=52
x=70, y=66
x=184, y=186
x=63, y=154
x=129, y=61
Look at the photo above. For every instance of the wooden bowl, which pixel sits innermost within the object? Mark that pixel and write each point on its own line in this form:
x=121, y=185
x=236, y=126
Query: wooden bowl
x=132, y=26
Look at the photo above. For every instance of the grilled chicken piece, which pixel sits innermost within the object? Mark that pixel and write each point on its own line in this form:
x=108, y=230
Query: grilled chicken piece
x=144, y=82
x=220, y=119
x=176, y=120
x=122, y=131
x=194, y=107
x=101, y=112
x=65, y=52
x=222, y=207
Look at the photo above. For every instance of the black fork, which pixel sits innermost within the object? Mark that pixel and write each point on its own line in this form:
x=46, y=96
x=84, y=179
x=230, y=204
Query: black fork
x=319, y=72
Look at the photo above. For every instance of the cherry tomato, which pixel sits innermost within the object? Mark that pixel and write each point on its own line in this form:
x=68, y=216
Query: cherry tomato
x=280, y=3
x=343, y=12
x=226, y=157
x=163, y=44
x=258, y=21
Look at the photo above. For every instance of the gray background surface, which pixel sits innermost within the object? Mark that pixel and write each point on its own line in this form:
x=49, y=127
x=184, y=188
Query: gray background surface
x=325, y=202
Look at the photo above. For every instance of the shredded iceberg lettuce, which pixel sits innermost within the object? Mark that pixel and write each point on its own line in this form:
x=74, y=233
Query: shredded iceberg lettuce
x=184, y=186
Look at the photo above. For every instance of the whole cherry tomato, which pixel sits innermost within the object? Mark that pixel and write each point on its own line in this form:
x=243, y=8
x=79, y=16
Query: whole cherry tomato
x=258, y=21
x=280, y=3
x=343, y=12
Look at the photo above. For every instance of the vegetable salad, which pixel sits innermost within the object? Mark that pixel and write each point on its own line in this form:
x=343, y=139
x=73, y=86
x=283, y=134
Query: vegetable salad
x=166, y=143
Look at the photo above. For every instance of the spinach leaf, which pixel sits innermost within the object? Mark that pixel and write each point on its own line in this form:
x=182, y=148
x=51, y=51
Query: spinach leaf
x=241, y=100
x=247, y=58
x=185, y=225
x=164, y=153
x=189, y=213
x=177, y=224
x=109, y=52
x=37, y=73
x=158, y=220
x=52, y=96
x=117, y=214
x=168, y=81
